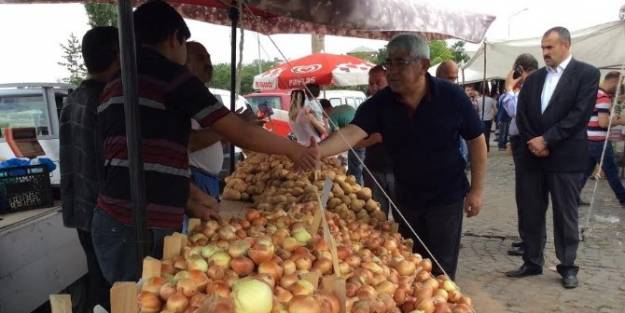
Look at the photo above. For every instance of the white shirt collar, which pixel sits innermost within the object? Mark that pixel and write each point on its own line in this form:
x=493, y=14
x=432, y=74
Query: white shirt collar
x=561, y=67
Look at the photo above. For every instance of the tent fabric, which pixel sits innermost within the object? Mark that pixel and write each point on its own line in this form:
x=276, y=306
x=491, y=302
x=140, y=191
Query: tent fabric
x=470, y=76
x=373, y=19
x=602, y=45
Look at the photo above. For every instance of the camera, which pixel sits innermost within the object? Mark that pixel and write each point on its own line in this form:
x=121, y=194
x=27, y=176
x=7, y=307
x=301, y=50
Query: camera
x=518, y=70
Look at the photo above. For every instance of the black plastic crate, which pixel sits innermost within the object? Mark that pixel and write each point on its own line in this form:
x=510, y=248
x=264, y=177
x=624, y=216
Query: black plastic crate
x=24, y=188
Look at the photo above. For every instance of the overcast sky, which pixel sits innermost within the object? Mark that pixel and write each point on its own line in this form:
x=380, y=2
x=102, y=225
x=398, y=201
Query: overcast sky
x=31, y=34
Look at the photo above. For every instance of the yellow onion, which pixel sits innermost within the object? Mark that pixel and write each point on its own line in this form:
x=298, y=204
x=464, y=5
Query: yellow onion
x=149, y=302
x=252, y=296
x=304, y=304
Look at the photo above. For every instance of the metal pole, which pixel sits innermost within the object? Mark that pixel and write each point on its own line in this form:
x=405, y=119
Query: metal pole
x=233, y=14
x=484, y=85
x=260, y=68
x=133, y=125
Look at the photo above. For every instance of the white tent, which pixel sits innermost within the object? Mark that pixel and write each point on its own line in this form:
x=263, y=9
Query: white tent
x=602, y=46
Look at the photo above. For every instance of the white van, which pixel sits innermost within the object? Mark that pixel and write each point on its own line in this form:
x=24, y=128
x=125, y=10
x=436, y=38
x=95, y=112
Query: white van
x=352, y=98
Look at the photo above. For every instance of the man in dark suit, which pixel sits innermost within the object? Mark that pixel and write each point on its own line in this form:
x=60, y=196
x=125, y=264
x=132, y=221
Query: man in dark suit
x=554, y=106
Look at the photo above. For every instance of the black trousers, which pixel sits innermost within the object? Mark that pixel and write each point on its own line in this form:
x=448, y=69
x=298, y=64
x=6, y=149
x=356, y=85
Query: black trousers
x=440, y=229
x=534, y=187
x=488, y=125
x=515, y=141
x=97, y=288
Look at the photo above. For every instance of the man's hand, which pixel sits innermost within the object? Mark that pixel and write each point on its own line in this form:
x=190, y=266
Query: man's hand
x=473, y=203
x=511, y=82
x=201, y=205
x=306, y=158
x=538, y=146
x=376, y=138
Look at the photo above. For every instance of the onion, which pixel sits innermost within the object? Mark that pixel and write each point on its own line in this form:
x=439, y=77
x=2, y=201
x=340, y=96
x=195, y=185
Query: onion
x=283, y=295
x=426, y=264
x=423, y=275
x=262, y=251
x=216, y=272
x=406, y=268
x=432, y=283
x=361, y=306
x=198, y=300
x=366, y=292
x=167, y=267
x=177, y=303
x=241, y=265
x=208, y=250
x=320, y=245
x=289, y=267
x=267, y=279
x=197, y=263
x=180, y=263
x=304, y=304
x=153, y=284
x=373, y=267
x=328, y=303
x=302, y=235
x=351, y=288
x=461, y=308
x=343, y=252
x=227, y=232
x=221, y=259
x=199, y=278
x=454, y=296
x=181, y=275
x=441, y=294
x=353, y=260
x=323, y=266
x=187, y=287
x=449, y=286
x=302, y=288
x=167, y=289
x=252, y=296
x=426, y=305
x=290, y=244
x=303, y=263
x=400, y=296
x=252, y=214
x=271, y=268
x=441, y=307
x=259, y=221
x=344, y=268
x=149, y=302
x=386, y=287
x=288, y=279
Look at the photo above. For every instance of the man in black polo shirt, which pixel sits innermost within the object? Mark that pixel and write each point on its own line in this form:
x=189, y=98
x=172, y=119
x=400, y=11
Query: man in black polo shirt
x=169, y=97
x=420, y=118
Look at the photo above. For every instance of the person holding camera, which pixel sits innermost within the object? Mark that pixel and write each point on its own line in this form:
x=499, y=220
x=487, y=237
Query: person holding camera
x=524, y=65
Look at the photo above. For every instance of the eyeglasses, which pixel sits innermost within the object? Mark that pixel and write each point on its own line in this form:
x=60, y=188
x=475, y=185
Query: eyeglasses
x=399, y=62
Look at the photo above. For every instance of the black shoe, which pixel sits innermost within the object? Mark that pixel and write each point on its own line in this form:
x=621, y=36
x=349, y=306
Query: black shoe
x=516, y=251
x=516, y=244
x=525, y=270
x=569, y=281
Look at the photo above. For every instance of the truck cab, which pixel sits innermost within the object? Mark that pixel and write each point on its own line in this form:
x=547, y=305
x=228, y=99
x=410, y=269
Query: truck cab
x=36, y=105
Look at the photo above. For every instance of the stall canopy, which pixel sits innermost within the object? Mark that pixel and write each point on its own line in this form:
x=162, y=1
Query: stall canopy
x=602, y=46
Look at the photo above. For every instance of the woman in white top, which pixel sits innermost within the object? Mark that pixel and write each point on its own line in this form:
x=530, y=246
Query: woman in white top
x=303, y=122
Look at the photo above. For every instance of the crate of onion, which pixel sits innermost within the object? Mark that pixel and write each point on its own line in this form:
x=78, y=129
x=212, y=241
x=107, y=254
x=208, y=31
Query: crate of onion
x=271, y=257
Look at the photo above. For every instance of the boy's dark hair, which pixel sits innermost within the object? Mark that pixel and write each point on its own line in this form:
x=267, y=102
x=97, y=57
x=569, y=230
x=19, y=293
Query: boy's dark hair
x=100, y=48
x=157, y=20
x=325, y=103
x=312, y=90
x=527, y=61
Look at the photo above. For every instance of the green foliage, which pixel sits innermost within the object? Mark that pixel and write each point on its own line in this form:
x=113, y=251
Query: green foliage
x=459, y=52
x=371, y=57
x=101, y=14
x=221, y=75
x=72, y=61
x=439, y=52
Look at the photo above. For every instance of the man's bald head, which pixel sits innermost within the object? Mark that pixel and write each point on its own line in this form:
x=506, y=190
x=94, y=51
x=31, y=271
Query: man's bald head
x=199, y=61
x=448, y=70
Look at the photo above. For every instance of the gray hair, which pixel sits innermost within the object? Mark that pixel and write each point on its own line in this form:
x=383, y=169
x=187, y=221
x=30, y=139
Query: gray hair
x=563, y=33
x=415, y=45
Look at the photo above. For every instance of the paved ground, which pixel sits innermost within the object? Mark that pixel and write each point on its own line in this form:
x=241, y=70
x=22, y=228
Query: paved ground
x=483, y=258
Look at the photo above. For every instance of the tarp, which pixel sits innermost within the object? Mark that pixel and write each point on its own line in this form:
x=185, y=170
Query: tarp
x=374, y=19
x=602, y=46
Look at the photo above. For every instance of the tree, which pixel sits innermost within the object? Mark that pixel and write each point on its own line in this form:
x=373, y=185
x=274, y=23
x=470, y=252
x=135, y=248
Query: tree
x=101, y=14
x=72, y=61
x=221, y=75
x=460, y=55
x=439, y=52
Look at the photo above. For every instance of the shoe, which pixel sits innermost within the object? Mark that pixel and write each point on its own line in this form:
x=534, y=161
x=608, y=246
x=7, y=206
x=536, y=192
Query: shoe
x=516, y=244
x=569, y=281
x=525, y=270
x=516, y=251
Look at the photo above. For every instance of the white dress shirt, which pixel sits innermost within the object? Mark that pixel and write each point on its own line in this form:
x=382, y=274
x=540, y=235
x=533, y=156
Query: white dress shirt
x=209, y=159
x=551, y=81
x=509, y=103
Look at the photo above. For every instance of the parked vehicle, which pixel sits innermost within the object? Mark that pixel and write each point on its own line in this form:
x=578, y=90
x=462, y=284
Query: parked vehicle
x=352, y=98
x=36, y=105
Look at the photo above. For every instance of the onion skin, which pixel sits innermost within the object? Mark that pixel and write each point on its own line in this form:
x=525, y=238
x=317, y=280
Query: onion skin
x=177, y=303
x=426, y=264
x=187, y=287
x=167, y=289
x=241, y=265
x=304, y=304
x=149, y=302
x=153, y=284
x=272, y=268
x=328, y=303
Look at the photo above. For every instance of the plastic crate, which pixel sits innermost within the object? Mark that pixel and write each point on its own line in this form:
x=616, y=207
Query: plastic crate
x=24, y=188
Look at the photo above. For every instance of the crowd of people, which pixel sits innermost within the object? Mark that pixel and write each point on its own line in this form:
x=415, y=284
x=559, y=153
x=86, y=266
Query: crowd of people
x=415, y=135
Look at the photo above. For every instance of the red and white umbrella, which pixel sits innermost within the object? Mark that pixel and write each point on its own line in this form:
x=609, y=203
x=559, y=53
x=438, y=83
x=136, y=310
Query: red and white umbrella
x=319, y=68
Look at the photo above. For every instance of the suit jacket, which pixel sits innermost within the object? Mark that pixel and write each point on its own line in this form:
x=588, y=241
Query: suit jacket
x=563, y=124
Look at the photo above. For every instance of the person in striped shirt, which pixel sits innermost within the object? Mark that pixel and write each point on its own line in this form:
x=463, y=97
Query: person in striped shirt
x=598, y=132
